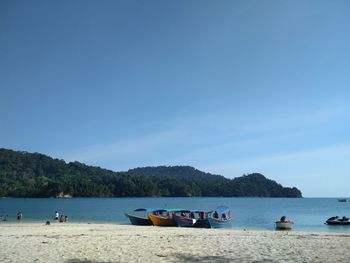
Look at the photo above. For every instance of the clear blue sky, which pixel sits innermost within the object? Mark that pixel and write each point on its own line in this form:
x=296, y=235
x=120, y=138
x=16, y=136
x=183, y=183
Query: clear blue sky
x=229, y=87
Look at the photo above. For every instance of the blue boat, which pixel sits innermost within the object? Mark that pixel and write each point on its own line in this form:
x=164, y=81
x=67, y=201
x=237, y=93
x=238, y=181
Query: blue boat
x=220, y=217
x=140, y=216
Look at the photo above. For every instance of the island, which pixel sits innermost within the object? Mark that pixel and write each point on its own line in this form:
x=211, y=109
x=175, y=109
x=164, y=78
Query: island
x=24, y=174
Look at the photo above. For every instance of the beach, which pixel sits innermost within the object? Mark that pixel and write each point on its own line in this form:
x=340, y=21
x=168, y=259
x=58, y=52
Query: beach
x=97, y=243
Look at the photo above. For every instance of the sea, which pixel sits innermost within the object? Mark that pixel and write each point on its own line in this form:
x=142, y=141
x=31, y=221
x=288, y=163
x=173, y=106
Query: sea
x=308, y=214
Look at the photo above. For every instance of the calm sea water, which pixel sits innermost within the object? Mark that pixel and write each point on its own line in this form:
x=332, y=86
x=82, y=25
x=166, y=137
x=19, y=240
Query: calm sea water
x=309, y=214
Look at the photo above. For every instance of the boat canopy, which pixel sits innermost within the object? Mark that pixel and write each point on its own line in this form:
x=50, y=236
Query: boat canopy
x=222, y=210
x=150, y=209
x=169, y=210
x=198, y=211
x=140, y=209
x=184, y=211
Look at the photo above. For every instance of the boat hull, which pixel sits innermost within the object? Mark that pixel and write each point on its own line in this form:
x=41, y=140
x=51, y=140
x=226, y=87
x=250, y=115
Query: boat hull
x=284, y=225
x=161, y=221
x=202, y=223
x=336, y=222
x=189, y=222
x=215, y=223
x=184, y=221
x=139, y=221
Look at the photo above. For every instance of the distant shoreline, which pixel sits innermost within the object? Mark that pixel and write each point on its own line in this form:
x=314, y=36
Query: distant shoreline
x=39, y=175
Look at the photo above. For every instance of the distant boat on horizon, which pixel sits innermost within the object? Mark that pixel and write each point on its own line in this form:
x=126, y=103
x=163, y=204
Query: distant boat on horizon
x=343, y=200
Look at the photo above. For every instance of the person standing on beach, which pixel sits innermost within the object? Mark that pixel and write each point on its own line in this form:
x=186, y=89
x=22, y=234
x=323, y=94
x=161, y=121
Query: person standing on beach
x=19, y=215
x=57, y=215
x=61, y=219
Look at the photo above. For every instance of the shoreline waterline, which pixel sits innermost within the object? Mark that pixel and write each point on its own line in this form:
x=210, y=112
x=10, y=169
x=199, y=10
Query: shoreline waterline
x=308, y=214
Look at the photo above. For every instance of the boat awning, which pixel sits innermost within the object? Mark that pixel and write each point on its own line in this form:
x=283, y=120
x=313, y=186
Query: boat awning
x=222, y=210
x=199, y=211
x=147, y=209
x=170, y=210
x=140, y=209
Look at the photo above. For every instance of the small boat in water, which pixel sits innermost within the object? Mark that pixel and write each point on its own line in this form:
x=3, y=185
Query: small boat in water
x=220, y=217
x=336, y=220
x=140, y=216
x=284, y=224
x=164, y=217
x=342, y=200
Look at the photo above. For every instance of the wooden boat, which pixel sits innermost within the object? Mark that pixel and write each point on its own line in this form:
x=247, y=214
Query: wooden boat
x=163, y=217
x=284, y=224
x=189, y=218
x=220, y=217
x=201, y=219
x=336, y=220
x=184, y=221
x=140, y=216
x=202, y=223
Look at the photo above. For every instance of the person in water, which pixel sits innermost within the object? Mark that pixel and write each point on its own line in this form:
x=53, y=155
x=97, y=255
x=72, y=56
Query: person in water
x=19, y=215
x=57, y=215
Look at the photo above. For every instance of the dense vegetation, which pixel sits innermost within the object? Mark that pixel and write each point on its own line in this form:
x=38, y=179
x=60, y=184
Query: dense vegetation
x=25, y=174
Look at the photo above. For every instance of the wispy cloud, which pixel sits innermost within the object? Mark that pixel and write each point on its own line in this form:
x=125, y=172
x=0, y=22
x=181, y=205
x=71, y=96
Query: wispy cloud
x=219, y=142
x=132, y=149
x=307, y=155
x=219, y=135
x=262, y=120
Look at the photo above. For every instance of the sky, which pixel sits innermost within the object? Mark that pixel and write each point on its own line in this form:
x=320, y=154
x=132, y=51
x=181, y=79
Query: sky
x=230, y=87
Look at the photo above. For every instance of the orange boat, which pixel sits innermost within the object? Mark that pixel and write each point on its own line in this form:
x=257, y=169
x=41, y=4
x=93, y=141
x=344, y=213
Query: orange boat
x=163, y=217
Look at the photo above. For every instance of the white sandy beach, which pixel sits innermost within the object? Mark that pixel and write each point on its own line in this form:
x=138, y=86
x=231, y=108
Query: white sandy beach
x=97, y=243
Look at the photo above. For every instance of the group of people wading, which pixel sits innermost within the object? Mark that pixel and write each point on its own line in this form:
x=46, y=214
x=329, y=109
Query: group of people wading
x=61, y=218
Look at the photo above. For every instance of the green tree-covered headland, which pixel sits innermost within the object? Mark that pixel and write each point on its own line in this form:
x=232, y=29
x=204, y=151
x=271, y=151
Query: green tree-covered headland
x=25, y=174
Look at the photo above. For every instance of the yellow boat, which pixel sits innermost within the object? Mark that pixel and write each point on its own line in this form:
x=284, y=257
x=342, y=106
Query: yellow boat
x=158, y=220
x=163, y=217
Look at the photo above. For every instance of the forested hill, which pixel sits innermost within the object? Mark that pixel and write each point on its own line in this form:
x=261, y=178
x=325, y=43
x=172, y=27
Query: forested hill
x=25, y=174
